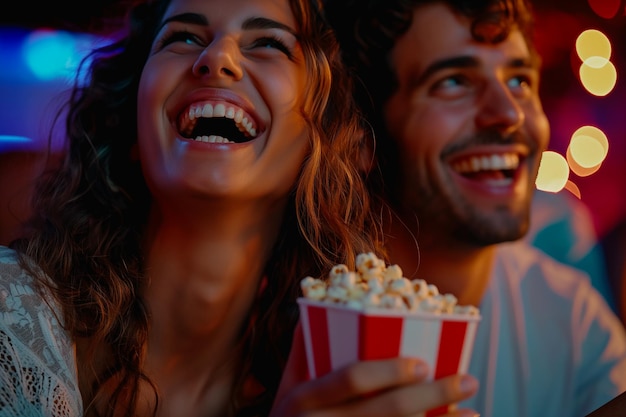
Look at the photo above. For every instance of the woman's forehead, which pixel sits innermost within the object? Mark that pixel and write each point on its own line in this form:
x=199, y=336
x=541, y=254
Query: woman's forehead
x=219, y=11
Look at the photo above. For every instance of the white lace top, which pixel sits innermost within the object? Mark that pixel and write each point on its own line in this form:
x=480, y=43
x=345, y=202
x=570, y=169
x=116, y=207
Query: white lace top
x=38, y=374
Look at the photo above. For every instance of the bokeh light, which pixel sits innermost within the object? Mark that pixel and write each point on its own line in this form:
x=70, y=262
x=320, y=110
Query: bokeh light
x=597, y=73
x=607, y=9
x=598, y=81
x=54, y=54
x=8, y=142
x=578, y=169
x=589, y=146
x=573, y=188
x=49, y=54
x=553, y=172
x=587, y=150
x=593, y=43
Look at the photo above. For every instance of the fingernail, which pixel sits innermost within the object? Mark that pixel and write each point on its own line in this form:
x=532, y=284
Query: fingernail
x=421, y=370
x=468, y=384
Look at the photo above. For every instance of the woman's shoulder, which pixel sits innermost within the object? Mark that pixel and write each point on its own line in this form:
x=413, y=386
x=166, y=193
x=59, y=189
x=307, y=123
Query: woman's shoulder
x=7, y=255
x=17, y=286
x=36, y=353
x=28, y=312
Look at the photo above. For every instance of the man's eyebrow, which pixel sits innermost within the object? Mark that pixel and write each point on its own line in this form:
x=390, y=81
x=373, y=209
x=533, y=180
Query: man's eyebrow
x=248, y=24
x=442, y=64
x=523, y=63
x=468, y=62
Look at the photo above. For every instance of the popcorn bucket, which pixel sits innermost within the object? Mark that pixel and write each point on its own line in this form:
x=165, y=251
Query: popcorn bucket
x=336, y=335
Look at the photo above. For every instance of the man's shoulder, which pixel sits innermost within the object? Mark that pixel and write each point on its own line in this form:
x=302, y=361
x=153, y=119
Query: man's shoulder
x=535, y=279
x=524, y=255
x=526, y=266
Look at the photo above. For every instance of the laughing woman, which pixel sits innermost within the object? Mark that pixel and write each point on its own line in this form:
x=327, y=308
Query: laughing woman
x=210, y=165
x=212, y=162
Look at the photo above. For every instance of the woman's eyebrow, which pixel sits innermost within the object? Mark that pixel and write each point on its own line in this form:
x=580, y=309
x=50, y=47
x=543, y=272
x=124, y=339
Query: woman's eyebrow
x=248, y=24
x=194, y=18
x=265, y=23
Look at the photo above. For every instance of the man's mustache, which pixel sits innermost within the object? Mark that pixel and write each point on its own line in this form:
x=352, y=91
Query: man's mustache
x=491, y=137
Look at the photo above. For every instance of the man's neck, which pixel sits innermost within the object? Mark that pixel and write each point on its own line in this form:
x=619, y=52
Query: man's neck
x=454, y=267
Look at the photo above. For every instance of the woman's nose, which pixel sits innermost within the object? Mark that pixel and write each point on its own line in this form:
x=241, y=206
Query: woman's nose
x=220, y=59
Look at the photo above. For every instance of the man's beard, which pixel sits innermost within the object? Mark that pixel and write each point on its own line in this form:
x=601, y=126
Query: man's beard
x=483, y=229
x=444, y=215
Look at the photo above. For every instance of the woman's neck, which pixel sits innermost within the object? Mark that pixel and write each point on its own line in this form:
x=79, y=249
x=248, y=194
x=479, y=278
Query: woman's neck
x=203, y=272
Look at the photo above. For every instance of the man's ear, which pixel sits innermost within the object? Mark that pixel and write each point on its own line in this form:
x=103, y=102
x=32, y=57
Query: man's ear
x=367, y=153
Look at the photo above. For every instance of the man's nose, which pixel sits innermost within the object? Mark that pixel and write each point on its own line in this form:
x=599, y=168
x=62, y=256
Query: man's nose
x=499, y=109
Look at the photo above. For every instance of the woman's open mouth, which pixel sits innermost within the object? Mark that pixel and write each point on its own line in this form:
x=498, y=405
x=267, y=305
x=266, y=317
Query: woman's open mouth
x=217, y=122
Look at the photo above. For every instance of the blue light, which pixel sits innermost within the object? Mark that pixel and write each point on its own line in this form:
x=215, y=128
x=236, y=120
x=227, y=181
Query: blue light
x=11, y=142
x=52, y=54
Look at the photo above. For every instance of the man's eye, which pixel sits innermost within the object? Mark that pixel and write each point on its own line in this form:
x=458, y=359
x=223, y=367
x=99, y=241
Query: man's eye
x=520, y=82
x=273, y=43
x=450, y=83
x=521, y=85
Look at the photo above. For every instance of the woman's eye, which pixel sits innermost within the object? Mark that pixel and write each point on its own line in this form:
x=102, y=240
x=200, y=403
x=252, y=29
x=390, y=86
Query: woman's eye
x=184, y=37
x=272, y=43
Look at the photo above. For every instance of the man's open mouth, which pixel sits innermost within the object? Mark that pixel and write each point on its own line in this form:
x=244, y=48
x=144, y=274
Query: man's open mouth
x=487, y=166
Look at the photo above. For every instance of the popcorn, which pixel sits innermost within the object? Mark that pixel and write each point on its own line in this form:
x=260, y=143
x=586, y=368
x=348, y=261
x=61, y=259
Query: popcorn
x=314, y=289
x=392, y=272
x=400, y=286
x=377, y=313
x=376, y=285
x=369, y=266
x=392, y=301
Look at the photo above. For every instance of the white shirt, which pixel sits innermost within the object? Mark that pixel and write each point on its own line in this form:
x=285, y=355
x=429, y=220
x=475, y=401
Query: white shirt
x=38, y=374
x=548, y=344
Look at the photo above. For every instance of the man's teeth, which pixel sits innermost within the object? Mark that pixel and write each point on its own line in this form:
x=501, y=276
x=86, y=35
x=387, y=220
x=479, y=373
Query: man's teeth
x=494, y=162
x=220, y=110
x=212, y=139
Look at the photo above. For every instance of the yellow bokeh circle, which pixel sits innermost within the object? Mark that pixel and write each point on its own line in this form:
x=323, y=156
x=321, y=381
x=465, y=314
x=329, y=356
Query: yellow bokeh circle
x=598, y=76
x=553, y=172
x=593, y=43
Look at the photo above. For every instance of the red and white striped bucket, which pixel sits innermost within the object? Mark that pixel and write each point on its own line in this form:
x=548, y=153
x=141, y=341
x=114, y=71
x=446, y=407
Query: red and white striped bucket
x=335, y=336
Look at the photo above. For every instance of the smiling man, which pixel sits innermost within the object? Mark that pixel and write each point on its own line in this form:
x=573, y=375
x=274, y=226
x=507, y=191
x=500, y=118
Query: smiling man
x=452, y=91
